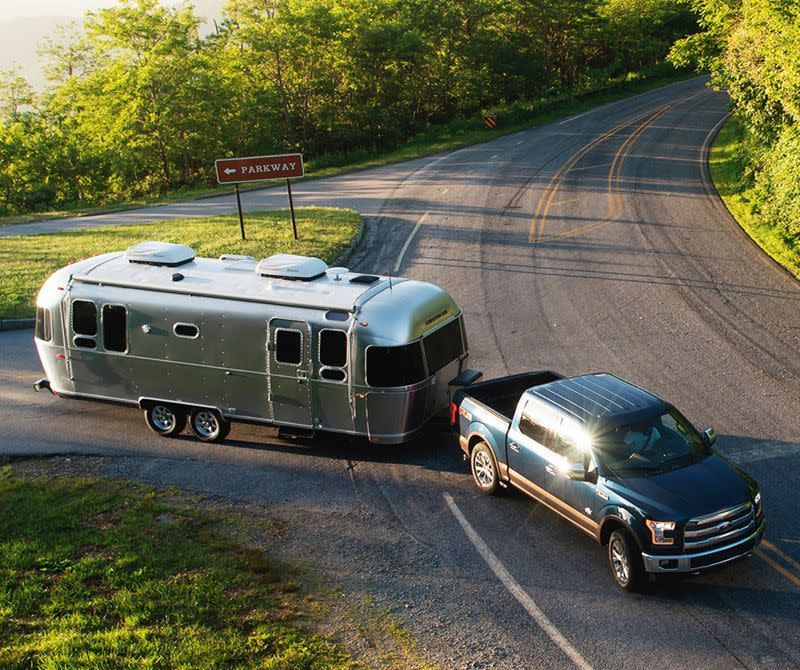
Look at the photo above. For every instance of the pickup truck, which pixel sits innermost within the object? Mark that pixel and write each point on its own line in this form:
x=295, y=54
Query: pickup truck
x=622, y=465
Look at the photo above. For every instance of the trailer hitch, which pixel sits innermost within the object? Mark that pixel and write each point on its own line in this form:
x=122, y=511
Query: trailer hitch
x=43, y=383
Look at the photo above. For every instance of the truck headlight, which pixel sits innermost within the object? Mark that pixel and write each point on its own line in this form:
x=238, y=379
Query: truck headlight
x=757, y=502
x=661, y=531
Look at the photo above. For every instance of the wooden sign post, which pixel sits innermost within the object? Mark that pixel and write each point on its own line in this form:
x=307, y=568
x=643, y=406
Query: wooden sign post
x=260, y=168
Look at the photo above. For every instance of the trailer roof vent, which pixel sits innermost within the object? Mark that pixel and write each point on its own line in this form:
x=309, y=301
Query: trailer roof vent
x=364, y=279
x=289, y=266
x=159, y=253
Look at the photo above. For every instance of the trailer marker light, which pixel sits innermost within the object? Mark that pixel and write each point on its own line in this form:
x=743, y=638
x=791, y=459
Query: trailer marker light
x=60, y=357
x=364, y=323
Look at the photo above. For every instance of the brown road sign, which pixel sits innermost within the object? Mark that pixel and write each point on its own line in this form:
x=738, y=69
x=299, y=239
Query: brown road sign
x=259, y=168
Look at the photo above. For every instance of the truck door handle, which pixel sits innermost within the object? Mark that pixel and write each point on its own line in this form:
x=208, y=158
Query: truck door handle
x=513, y=446
x=550, y=468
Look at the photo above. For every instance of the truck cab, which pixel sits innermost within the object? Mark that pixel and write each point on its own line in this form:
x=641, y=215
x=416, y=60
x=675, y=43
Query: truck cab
x=621, y=464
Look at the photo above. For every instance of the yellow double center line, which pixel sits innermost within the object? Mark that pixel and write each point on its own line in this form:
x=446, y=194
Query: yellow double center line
x=615, y=206
x=779, y=561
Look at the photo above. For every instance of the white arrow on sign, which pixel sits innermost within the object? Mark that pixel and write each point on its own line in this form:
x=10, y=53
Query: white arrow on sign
x=229, y=171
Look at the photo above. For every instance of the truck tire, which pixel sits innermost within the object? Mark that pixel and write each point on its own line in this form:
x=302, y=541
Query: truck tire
x=207, y=425
x=165, y=420
x=625, y=561
x=484, y=469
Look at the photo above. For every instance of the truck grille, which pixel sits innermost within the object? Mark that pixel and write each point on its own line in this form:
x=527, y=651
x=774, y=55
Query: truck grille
x=723, y=527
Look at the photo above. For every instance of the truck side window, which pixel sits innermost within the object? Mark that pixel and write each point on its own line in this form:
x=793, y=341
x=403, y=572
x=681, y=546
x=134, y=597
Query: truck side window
x=569, y=450
x=84, y=318
x=529, y=428
x=288, y=346
x=44, y=324
x=115, y=335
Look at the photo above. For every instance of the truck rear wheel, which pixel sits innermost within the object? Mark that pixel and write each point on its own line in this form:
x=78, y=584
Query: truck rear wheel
x=207, y=425
x=484, y=469
x=165, y=420
x=625, y=560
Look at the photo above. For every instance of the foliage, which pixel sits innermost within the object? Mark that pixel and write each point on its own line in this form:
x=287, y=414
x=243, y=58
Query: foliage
x=99, y=574
x=28, y=260
x=751, y=48
x=140, y=103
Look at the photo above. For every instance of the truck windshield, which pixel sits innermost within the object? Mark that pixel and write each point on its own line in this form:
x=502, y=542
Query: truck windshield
x=661, y=442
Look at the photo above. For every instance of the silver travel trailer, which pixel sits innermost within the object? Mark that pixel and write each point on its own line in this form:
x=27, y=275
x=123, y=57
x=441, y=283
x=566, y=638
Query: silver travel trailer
x=286, y=341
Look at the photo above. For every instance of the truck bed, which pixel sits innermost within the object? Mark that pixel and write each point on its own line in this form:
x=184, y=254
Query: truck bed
x=502, y=395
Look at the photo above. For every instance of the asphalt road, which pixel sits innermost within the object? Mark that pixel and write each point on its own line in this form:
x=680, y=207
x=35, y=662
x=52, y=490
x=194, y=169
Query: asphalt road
x=594, y=243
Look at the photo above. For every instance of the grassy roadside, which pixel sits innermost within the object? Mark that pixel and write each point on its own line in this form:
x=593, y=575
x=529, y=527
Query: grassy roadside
x=107, y=573
x=100, y=573
x=727, y=170
x=28, y=260
x=445, y=137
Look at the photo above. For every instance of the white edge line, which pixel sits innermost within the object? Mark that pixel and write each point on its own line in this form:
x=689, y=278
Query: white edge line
x=514, y=588
x=408, y=241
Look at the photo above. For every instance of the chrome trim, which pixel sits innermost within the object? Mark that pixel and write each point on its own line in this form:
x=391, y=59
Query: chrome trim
x=720, y=538
x=721, y=514
x=727, y=524
x=651, y=562
x=721, y=526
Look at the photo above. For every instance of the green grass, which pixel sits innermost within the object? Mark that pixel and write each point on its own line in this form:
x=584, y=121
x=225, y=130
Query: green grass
x=727, y=165
x=92, y=577
x=28, y=260
x=457, y=133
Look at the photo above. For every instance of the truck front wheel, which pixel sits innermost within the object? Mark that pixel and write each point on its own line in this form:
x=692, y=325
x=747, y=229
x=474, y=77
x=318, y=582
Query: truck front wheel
x=625, y=559
x=484, y=469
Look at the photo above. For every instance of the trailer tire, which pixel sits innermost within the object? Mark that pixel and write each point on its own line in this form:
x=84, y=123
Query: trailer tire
x=207, y=425
x=165, y=420
x=484, y=469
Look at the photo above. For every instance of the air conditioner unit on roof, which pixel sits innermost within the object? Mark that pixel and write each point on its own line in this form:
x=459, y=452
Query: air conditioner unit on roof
x=289, y=266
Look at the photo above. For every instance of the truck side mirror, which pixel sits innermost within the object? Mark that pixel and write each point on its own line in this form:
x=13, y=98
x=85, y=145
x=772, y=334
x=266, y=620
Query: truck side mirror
x=576, y=472
x=709, y=436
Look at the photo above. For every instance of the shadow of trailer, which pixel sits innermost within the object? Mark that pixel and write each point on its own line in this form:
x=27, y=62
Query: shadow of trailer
x=287, y=342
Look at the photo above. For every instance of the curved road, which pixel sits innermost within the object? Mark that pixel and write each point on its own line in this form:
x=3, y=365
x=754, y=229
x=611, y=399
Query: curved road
x=593, y=243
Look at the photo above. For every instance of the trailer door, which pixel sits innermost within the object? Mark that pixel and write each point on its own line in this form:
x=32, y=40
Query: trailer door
x=289, y=364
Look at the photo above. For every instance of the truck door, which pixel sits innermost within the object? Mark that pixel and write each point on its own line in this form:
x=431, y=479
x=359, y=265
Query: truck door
x=288, y=364
x=576, y=497
x=529, y=440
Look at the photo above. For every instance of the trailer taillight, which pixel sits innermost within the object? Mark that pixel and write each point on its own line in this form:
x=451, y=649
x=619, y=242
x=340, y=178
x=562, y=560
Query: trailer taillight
x=453, y=413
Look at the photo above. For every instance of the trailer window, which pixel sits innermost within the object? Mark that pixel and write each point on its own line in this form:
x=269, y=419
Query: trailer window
x=188, y=330
x=395, y=366
x=443, y=346
x=44, y=324
x=84, y=317
x=333, y=348
x=288, y=346
x=115, y=336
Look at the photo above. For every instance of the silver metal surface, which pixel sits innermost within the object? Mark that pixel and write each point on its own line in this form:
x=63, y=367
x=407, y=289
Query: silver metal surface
x=230, y=364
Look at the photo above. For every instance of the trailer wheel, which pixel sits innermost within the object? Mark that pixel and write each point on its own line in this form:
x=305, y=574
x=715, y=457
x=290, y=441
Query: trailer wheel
x=484, y=469
x=207, y=425
x=165, y=420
